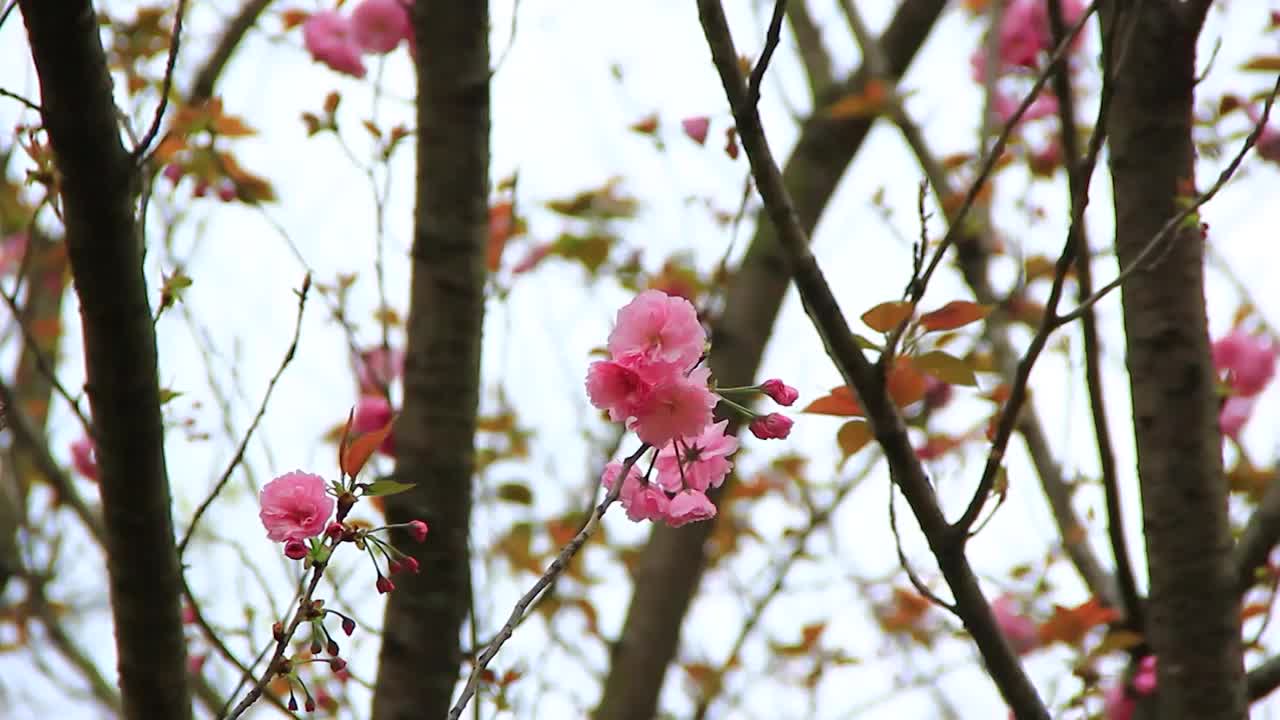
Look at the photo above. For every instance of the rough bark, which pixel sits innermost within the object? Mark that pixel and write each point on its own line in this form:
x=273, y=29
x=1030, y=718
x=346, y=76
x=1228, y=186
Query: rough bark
x=672, y=563
x=1193, y=610
x=98, y=182
x=420, y=657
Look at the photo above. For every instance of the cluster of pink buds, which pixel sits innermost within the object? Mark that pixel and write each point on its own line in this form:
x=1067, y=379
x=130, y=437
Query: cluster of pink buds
x=375, y=26
x=653, y=382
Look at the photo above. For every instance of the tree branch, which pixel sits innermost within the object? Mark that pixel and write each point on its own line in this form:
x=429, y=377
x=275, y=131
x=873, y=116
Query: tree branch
x=1260, y=535
x=207, y=76
x=863, y=379
x=98, y=182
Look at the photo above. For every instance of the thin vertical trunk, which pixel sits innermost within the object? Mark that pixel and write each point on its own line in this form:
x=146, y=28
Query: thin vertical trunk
x=420, y=658
x=1193, y=611
x=99, y=181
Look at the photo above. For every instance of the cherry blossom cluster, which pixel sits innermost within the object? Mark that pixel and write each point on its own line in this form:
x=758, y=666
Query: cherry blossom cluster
x=1025, y=37
x=655, y=384
x=374, y=26
x=1247, y=364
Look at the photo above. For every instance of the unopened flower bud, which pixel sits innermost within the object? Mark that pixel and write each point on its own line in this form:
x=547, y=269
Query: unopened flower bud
x=348, y=626
x=772, y=426
x=779, y=391
x=346, y=501
x=295, y=550
x=337, y=664
x=418, y=529
x=277, y=631
x=333, y=648
x=309, y=705
x=335, y=531
x=384, y=585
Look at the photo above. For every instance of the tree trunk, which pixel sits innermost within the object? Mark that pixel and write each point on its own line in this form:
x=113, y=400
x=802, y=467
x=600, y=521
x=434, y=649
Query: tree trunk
x=1193, y=612
x=420, y=658
x=99, y=181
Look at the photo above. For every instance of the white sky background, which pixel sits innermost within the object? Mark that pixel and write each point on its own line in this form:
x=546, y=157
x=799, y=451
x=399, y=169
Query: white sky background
x=560, y=120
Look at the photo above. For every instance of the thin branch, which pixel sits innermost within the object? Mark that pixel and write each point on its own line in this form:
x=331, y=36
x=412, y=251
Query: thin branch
x=860, y=375
x=43, y=363
x=813, y=55
x=15, y=96
x=103, y=691
x=1258, y=539
x=771, y=40
x=548, y=577
x=207, y=77
x=166, y=85
x=1176, y=222
x=1263, y=679
x=248, y=434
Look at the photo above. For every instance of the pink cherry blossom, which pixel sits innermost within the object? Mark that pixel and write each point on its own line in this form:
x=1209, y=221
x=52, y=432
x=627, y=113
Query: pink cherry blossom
x=418, y=529
x=678, y=407
x=1021, y=631
x=1025, y=32
x=330, y=38
x=610, y=476
x=84, y=458
x=618, y=388
x=645, y=501
x=779, y=392
x=657, y=328
x=689, y=506
x=696, y=128
x=380, y=25
x=1248, y=360
x=372, y=413
x=699, y=462
x=772, y=426
x=377, y=368
x=295, y=506
x=1235, y=412
x=1144, y=680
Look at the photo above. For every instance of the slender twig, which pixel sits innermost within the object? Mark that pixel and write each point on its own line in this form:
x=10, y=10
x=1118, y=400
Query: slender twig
x=860, y=375
x=15, y=96
x=925, y=591
x=105, y=692
x=553, y=571
x=248, y=434
x=1077, y=186
x=207, y=76
x=772, y=37
x=166, y=84
x=1175, y=222
x=1259, y=537
x=43, y=364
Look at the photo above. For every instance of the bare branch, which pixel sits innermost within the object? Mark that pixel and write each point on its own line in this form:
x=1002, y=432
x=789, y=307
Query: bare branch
x=166, y=85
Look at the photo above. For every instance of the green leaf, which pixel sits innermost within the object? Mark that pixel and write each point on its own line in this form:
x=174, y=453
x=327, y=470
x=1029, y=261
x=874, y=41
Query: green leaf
x=946, y=367
x=518, y=493
x=864, y=343
x=382, y=488
x=166, y=395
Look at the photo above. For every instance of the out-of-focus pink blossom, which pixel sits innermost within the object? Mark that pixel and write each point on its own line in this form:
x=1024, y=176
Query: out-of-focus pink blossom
x=1021, y=631
x=1235, y=412
x=1120, y=700
x=1004, y=106
x=1248, y=360
x=12, y=248
x=84, y=457
x=295, y=506
x=330, y=38
x=1025, y=32
x=379, y=25
x=689, y=506
x=696, y=128
x=372, y=413
x=697, y=463
x=377, y=368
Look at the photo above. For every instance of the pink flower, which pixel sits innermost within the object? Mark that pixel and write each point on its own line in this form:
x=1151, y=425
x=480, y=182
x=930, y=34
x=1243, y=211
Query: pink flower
x=1248, y=360
x=679, y=407
x=610, y=476
x=658, y=329
x=330, y=38
x=772, y=426
x=1235, y=412
x=645, y=501
x=84, y=457
x=617, y=388
x=779, y=391
x=380, y=25
x=1144, y=680
x=418, y=529
x=372, y=413
x=698, y=462
x=1120, y=701
x=295, y=506
x=406, y=564
x=1025, y=32
x=384, y=585
x=379, y=367
x=696, y=128
x=1018, y=629
x=688, y=507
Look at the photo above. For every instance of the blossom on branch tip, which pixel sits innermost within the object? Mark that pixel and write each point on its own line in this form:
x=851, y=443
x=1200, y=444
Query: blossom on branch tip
x=774, y=426
x=1021, y=631
x=688, y=507
x=780, y=392
x=84, y=457
x=330, y=38
x=405, y=565
x=295, y=506
x=380, y=25
x=660, y=329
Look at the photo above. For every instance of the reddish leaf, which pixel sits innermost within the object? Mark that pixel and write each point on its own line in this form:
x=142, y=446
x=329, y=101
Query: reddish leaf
x=502, y=224
x=839, y=402
x=853, y=436
x=1069, y=625
x=293, y=17
x=905, y=383
x=954, y=314
x=867, y=103
x=887, y=316
x=358, y=452
x=646, y=125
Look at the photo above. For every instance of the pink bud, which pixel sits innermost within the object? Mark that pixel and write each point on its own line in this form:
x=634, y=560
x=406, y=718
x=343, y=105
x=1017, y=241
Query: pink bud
x=227, y=192
x=409, y=565
x=696, y=128
x=295, y=549
x=172, y=172
x=84, y=457
x=772, y=426
x=334, y=531
x=348, y=626
x=781, y=393
x=309, y=705
x=384, y=585
x=337, y=664
x=418, y=529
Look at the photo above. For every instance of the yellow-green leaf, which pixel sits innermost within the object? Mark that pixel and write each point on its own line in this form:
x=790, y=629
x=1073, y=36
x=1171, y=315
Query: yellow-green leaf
x=947, y=368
